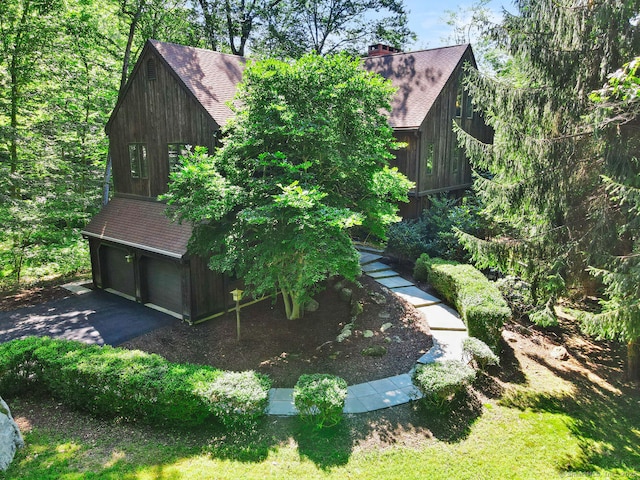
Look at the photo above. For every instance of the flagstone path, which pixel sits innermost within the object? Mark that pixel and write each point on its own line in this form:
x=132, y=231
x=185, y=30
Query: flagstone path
x=447, y=329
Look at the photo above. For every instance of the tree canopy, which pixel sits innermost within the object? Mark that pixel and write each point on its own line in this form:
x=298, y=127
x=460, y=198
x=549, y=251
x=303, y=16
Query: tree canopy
x=304, y=159
x=542, y=178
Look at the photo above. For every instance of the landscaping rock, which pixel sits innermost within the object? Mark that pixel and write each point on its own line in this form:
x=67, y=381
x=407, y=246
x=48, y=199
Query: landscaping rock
x=345, y=294
x=367, y=334
x=374, y=351
x=10, y=437
x=312, y=306
x=559, y=353
x=356, y=308
x=386, y=327
x=378, y=298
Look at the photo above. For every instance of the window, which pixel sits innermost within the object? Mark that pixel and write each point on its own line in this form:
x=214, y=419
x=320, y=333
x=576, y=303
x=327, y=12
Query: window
x=138, y=160
x=428, y=159
x=459, y=100
x=456, y=156
x=176, y=150
x=468, y=106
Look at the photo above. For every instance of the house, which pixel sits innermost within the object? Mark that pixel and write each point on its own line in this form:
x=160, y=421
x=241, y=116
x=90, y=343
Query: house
x=177, y=95
x=429, y=99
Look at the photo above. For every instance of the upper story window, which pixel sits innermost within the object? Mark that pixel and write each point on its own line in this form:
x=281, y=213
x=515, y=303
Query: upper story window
x=459, y=99
x=138, y=160
x=176, y=150
x=428, y=159
x=468, y=106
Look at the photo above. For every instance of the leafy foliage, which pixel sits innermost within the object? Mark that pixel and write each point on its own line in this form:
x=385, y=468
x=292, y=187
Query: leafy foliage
x=320, y=399
x=434, y=232
x=439, y=382
x=238, y=399
x=304, y=160
x=478, y=353
x=541, y=180
x=137, y=386
x=479, y=302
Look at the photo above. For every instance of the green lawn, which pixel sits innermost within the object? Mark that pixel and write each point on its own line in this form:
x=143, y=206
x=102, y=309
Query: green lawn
x=544, y=420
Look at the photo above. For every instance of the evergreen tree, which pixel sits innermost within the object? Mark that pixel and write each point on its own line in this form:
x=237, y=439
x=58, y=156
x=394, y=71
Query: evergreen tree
x=617, y=120
x=540, y=179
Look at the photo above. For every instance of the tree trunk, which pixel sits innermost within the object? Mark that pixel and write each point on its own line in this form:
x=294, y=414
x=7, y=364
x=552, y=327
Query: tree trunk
x=287, y=303
x=633, y=360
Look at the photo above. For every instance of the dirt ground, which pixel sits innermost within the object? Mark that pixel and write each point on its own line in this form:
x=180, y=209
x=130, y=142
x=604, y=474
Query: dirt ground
x=285, y=349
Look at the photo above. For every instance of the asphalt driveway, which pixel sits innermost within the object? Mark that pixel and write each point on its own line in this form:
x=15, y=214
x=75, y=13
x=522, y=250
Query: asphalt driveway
x=95, y=317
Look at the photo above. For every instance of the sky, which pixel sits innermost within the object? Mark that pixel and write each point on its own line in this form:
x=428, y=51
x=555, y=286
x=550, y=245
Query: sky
x=427, y=18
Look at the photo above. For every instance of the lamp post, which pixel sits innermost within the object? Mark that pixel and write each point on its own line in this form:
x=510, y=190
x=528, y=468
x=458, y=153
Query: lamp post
x=237, y=296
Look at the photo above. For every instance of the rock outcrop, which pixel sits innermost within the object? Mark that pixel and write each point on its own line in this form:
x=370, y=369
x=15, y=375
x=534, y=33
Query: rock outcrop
x=10, y=437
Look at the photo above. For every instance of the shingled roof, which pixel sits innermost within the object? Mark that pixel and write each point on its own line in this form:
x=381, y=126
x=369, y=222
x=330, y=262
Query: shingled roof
x=419, y=78
x=210, y=76
x=140, y=224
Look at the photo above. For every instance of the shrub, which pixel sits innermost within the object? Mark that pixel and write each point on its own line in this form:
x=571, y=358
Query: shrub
x=320, y=398
x=479, y=353
x=433, y=233
x=238, y=398
x=479, y=302
x=115, y=382
x=517, y=293
x=441, y=381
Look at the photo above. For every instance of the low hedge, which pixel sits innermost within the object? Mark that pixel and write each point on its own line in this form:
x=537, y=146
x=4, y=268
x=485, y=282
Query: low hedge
x=111, y=382
x=479, y=302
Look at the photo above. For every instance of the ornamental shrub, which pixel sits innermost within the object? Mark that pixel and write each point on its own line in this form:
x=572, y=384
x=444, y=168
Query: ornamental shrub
x=238, y=399
x=320, y=399
x=440, y=382
x=433, y=232
x=116, y=382
x=479, y=302
x=478, y=353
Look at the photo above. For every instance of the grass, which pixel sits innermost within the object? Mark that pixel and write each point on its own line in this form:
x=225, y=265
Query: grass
x=536, y=420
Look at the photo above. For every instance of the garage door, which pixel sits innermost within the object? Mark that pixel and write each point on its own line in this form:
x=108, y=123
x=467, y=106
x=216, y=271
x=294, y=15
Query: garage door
x=117, y=273
x=161, y=283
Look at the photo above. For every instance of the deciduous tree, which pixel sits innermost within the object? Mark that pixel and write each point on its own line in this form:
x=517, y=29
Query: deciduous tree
x=304, y=159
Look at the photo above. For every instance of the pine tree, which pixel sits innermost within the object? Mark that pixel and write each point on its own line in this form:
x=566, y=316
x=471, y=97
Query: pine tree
x=540, y=179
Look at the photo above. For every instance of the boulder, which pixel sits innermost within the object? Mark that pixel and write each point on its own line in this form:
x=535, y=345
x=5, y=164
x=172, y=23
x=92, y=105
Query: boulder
x=559, y=353
x=10, y=437
x=311, y=305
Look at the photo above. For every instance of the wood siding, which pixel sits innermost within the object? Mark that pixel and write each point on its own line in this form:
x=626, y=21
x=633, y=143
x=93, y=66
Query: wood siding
x=155, y=112
x=450, y=171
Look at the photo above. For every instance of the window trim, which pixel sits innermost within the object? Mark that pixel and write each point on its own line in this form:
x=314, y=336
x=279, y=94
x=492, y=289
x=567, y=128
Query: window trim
x=138, y=161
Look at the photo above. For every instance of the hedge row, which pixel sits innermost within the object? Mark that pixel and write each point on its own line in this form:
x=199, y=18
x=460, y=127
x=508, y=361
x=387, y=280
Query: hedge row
x=116, y=382
x=479, y=302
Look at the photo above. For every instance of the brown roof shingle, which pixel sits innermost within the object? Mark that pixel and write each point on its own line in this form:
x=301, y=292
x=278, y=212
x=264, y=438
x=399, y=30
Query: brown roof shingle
x=140, y=224
x=419, y=78
x=210, y=76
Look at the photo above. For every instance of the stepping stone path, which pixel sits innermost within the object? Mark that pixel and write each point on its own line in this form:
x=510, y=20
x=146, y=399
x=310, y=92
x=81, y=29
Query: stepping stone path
x=447, y=329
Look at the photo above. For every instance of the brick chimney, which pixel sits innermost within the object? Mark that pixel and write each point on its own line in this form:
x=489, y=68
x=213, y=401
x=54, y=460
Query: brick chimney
x=381, y=49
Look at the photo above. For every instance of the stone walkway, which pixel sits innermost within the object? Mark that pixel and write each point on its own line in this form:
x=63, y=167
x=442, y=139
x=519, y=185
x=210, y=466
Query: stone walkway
x=447, y=329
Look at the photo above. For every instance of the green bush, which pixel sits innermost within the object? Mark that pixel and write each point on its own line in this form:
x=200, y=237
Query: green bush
x=320, y=399
x=433, y=233
x=479, y=302
x=115, y=382
x=441, y=381
x=238, y=398
x=479, y=353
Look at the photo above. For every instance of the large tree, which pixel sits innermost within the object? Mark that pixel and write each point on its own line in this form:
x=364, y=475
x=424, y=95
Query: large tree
x=304, y=159
x=617, y=121
x=541, y=178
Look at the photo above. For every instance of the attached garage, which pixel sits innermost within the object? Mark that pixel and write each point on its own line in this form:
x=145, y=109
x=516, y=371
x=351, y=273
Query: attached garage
x=161, y=283
x=137, y=252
